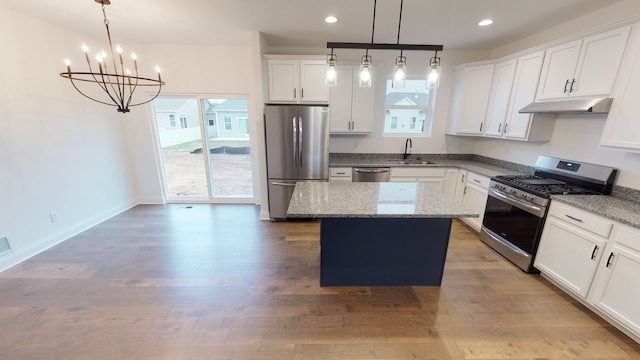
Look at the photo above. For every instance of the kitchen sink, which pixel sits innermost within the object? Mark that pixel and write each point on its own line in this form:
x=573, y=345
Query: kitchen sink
x=411, y=162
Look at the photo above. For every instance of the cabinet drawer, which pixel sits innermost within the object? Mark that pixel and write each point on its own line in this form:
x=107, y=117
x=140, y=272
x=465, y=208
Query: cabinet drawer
x=479, y=180
x=340, y=172
x=581, y=219
x=628, y=237
x=418, y=172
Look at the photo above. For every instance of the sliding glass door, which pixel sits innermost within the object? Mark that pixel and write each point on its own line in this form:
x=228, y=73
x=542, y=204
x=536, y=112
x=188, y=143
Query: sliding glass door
x=206, y=149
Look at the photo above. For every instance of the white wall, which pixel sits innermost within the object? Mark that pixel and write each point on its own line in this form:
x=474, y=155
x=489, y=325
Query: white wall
x=575, y=137
x=59, y=152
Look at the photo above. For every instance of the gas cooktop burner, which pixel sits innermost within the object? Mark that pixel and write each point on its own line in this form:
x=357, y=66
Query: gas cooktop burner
x=540, y=186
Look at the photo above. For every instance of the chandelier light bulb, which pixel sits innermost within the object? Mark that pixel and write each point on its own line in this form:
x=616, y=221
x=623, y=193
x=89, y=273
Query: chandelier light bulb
x=85, y=48
x=331, y=77
x=365, y=72
x=118, y=49
x=133, y=56
x=67, y=62
x=158, y=69
x=433, y=75
x=399, y=73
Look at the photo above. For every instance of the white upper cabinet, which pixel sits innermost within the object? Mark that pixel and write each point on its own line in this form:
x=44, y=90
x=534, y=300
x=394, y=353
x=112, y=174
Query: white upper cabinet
x=350, y=106
x=514, y=87
x=469, y=108
x=585, y=67
x=500, y=94
x=297, y=81
x=622, y=129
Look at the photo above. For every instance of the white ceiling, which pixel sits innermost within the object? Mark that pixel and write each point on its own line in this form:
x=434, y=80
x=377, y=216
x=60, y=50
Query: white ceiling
x=300, y=23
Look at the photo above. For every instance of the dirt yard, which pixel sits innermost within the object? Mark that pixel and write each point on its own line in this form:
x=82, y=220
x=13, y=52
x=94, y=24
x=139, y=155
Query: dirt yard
x=186, y=174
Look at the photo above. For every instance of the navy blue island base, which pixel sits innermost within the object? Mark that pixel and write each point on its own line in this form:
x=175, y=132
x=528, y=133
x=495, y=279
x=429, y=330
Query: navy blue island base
x=383, y=251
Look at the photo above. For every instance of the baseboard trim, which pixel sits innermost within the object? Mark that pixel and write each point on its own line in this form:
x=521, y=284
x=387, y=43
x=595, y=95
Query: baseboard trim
x=15, y=256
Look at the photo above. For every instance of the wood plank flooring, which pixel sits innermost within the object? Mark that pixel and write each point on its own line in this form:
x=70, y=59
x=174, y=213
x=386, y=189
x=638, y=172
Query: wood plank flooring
x=213, y=282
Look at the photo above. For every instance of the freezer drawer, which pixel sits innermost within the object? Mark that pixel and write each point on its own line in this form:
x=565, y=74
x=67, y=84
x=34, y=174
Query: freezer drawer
x=280, y=192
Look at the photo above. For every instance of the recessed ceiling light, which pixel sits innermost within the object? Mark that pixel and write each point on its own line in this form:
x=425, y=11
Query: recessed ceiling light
x=330, y=19
x=485, y=22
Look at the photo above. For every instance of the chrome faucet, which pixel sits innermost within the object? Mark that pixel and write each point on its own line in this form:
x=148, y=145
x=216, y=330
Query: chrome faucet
x=407, y=148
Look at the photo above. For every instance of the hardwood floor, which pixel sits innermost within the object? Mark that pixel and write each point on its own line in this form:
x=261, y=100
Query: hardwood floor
x=213, y=282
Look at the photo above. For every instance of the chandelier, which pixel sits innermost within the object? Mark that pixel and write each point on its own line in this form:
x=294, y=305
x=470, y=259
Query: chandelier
x=433, y=68
x=116, y=81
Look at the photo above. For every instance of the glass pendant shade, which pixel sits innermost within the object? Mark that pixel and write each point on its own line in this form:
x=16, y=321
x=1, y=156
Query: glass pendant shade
x=433, y=75
x=399, y=75
x=365, y=72
x=331, y=78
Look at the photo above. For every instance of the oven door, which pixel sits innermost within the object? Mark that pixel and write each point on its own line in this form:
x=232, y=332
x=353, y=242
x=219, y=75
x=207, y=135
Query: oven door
x=512, y=226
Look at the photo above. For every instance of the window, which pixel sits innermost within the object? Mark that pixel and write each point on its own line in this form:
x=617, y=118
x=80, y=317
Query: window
x=409, y=110
x=172, y=120
x=227, y=122
x=212, y=122
x=183, y=121
x=243, y=125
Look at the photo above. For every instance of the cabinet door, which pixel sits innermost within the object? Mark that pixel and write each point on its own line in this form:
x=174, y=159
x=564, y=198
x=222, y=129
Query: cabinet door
x=451, y=182
x=500, y=94
x=340, y=101
x=599, y=62
x=475, y=197
x=433, y=183
x=622, y=129
x=283, y=80
x=461, y=182
x=312, y=78
x=474, y=99
x=362, y=107
x=618, y=292
x=525, y=84
x=569, y=255
x=558, y=70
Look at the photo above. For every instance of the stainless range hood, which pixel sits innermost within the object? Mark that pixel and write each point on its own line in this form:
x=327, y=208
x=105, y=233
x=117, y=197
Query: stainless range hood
x=573, y=106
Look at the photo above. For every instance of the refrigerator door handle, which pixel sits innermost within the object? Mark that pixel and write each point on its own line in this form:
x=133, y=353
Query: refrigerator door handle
x=282, y=183
x=300, y=137
x=294, y=123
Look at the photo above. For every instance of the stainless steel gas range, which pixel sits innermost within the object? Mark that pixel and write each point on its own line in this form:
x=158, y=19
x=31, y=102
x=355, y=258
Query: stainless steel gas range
x=517, y=204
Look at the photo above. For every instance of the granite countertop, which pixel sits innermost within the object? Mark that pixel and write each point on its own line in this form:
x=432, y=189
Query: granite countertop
x=474, y=166
x=372, y=200
x=623, y=211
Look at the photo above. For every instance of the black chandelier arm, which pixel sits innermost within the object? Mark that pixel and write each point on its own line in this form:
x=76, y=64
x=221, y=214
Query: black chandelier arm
x=83, y=94
x=132, y=88
x=105, y=86
x=152, y=98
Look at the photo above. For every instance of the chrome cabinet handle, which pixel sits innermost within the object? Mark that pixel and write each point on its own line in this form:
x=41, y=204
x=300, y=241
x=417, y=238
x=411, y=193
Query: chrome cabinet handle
x=573, y=218
x=594, y=252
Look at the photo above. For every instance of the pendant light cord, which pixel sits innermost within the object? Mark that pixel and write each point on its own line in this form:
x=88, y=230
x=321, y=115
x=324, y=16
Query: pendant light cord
x=399, y=21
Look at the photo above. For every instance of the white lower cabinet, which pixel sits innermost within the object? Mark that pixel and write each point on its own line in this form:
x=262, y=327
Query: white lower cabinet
x=471, y=190
x=596, y=260
x=617, y=293
x=342, y=174
x=568, y=253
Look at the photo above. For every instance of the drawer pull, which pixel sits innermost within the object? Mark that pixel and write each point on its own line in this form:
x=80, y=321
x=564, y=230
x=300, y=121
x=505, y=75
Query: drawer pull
x=341, y=173
x=594, y=252
x=609, y=260
x=573, y=218
x=476, y=180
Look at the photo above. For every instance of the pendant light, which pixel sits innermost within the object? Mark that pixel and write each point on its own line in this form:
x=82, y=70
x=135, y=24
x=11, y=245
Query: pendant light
x=399, y=75
x=433, y=75
x=331, y=78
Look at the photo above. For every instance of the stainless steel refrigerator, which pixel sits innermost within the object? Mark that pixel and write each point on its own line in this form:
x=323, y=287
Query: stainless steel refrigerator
x=297, y=146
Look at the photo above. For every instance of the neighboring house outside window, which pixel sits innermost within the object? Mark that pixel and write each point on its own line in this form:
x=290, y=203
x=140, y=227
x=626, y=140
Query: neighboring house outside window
x=408, y=110
x=227, y=122
x=394, y=122
x=183, y=121
x=212, y=122
x=172, y=120
x=243, y=125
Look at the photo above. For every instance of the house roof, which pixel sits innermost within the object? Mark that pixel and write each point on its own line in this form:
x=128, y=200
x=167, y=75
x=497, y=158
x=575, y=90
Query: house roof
x=229, y=105
x=160, y=104
x=394, y=98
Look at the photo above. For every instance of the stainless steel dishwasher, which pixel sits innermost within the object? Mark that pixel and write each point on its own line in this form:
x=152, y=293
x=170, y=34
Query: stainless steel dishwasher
x=370, y=174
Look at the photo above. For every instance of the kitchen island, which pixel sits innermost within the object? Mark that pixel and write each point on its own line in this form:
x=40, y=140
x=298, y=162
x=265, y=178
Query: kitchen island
x=379, y=233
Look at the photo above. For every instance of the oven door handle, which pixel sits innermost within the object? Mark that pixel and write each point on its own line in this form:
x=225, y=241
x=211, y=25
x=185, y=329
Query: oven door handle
x=519, y=203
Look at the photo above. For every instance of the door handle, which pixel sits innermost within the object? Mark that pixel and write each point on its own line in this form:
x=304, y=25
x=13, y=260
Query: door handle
x=294, y=124
x=609, y=260
x=300, y=141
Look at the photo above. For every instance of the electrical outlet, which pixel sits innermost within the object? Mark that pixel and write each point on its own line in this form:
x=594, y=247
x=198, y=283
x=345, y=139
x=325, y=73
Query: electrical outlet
x=53, y=216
